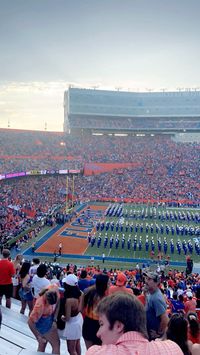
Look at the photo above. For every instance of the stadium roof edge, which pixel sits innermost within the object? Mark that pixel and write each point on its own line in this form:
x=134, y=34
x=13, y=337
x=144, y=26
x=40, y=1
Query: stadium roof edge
x=135, y=91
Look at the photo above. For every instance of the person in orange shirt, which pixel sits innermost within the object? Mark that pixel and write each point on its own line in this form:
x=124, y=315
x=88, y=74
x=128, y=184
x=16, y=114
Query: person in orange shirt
x=190, y=305
x=120, y=285
x=43, y=318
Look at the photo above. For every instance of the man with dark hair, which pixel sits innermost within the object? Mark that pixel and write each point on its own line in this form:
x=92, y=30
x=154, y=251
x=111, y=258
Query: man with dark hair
x=7, y=271
x=157, y=318
x=83, y=282
x=123, y=329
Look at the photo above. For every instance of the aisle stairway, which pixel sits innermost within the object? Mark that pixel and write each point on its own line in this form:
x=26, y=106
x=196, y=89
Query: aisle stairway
x=16, y=337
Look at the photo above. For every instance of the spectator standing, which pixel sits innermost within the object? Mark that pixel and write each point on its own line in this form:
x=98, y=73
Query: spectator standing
x=25, y=291
x=190, y=304
x=72, y=317
x=120, y=285
x=193, y=328
x=40, y=280
x=33, y=268
x=42, y=320
x=177, y=331
x=157, y=318
x=83, y=282
x=7, y=271
x=15, y=279
x=92, y=297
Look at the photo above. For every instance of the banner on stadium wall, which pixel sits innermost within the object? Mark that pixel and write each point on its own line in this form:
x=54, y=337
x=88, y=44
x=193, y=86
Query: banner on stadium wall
x=99, y=168
x=12, y=175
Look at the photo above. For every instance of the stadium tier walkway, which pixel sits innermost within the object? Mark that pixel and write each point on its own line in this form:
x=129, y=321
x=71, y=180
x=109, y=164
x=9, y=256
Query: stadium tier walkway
x=17, y=339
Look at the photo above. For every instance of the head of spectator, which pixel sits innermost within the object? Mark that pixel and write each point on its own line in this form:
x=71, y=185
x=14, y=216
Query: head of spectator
x=101, y=284
x=6, y=253
x=121, y=279
x=189, y=295
x=83, y=274
x=117, y=315
x=194, y=327
x=41, y=270
x=152, y=280
x=25, y=269
x=50, y=295
x=70, y=283
x=36, y=261
x=177, y=331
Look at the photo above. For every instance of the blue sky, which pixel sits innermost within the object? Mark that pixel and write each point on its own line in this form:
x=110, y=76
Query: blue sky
x=132, y=44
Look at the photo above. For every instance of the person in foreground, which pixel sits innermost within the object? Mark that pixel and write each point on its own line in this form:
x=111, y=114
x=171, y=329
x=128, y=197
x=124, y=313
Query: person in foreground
x=123, y=330
x=42, y=320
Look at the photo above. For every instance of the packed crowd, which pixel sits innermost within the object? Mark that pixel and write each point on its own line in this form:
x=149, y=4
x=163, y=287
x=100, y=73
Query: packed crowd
x=25, y=203
x=116, y=312
x=133, y=123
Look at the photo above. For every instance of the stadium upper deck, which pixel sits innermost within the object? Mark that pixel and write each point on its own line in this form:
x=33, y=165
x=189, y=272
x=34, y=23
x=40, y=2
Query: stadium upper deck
x=115, y=111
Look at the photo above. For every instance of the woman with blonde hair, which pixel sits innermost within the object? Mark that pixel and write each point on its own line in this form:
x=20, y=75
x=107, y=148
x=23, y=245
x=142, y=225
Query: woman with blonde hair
x=42, y=320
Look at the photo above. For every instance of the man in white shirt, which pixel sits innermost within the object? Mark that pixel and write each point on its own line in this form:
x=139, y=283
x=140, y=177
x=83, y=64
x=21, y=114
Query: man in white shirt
x=40, y=280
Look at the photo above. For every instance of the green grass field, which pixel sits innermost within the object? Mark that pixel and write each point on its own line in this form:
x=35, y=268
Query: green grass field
x=125, y=253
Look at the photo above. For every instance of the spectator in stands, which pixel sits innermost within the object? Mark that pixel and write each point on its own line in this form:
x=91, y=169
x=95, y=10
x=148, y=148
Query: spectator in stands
x=42, y=320
x=123, y=329
x=25, y=292
x=83, y=282
x=120, y=285
x=157, y=318
x=40, y=280
x=71, y=314
x=15, y=279
x=177, y=331
x=92, y=297
x=33, y=268
x=7, y=271
x=190, y=304
x=193, y=328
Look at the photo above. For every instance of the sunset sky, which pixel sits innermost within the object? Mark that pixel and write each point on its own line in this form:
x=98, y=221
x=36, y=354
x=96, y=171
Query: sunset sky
x=129, y=44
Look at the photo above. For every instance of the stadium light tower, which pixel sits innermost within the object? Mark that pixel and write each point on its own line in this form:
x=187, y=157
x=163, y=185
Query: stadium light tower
x=8, y=123
x=45, y=126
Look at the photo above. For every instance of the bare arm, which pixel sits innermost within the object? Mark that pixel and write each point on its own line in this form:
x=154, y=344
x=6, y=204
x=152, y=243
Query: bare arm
x=163, y=323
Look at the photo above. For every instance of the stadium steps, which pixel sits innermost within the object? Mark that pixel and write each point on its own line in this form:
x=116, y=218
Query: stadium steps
x=17, y=339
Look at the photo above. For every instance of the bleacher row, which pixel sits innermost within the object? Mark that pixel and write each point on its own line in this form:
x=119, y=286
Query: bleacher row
x=17, y=339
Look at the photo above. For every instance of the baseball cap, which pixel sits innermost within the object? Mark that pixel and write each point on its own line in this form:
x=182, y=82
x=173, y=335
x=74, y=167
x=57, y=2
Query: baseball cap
x=189, y=294
x=71, y=280
x=121, y=279
x=152, y=275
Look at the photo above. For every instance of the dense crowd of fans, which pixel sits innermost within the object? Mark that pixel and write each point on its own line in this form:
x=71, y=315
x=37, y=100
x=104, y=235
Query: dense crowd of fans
x=133, y=123
x=68, y=302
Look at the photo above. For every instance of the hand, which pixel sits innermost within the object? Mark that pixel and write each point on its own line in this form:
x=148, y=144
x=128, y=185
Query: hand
x=63, y=318
x=41, y=340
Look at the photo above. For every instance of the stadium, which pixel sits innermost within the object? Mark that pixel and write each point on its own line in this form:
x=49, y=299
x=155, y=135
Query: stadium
x=121, y=180
x=113, y=199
